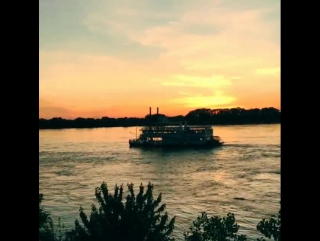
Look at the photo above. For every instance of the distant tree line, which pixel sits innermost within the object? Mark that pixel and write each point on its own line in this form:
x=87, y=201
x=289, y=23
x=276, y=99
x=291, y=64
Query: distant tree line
x=141, y=217
x=233, y=116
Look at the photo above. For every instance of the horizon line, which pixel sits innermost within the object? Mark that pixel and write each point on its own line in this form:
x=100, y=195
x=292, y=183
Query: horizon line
x=156, y=114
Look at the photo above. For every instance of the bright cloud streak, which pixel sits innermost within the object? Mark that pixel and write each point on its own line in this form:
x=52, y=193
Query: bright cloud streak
x=268, y=71
x=216, y=100
x=196, y=81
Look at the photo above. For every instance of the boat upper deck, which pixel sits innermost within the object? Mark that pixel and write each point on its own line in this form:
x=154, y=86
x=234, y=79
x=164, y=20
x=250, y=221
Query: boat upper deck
x=177, y=131
x=175, y=128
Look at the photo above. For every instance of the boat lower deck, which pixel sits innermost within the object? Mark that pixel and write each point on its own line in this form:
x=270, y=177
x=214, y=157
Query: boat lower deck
x=148, y=144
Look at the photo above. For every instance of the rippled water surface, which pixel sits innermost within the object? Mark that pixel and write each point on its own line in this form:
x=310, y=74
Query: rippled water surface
x=242, y=177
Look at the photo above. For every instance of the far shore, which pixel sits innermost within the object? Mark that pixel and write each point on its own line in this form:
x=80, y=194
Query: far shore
x=214, y=117
x=126, y=126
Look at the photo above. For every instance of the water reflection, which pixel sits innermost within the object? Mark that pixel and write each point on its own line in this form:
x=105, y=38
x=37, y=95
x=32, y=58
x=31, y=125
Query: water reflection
x=241, y=177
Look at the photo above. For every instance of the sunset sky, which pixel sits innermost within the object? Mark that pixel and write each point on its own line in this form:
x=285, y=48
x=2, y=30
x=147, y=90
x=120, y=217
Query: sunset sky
x=118, y=57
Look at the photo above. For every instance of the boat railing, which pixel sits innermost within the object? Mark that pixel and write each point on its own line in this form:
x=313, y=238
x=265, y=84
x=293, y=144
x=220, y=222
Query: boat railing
x=160, y=128
x=201, y=127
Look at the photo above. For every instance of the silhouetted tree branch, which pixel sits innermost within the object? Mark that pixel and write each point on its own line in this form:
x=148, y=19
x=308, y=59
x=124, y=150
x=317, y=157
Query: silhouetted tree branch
x=138, y=218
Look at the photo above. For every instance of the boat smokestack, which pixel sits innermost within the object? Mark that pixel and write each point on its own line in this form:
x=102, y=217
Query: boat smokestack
x=157, y=110
x=150, y=111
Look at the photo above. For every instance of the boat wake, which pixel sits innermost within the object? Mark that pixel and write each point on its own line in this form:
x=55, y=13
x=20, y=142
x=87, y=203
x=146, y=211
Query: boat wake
x=250, y=145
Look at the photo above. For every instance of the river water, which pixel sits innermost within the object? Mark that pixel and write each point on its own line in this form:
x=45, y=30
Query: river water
x=242, y=177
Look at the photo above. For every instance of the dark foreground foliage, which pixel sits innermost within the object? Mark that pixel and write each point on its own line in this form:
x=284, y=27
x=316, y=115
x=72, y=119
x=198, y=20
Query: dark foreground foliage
x=214, y=229
x=142, y=218
x=139, y=218
x=46, y=231
x=271, y=228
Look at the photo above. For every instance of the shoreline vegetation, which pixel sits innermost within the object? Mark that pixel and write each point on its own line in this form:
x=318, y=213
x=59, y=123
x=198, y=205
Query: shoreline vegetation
x=233, y=116
x=140, y=216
